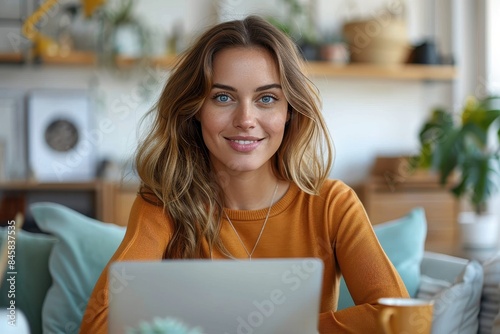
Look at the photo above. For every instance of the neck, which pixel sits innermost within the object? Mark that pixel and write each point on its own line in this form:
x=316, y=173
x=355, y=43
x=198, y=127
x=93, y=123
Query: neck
x=253, y=193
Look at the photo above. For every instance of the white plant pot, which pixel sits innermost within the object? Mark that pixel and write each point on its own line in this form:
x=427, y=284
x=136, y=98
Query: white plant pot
x=478, y=231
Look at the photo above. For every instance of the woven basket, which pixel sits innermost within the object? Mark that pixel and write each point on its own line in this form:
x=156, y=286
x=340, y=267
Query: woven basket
x=378, y=41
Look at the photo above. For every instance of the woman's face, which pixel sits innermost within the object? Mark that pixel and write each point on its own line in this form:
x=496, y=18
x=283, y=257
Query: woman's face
x=243, y=118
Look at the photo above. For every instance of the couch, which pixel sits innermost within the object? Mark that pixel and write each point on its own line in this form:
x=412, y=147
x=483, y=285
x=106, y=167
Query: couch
x=57, y=271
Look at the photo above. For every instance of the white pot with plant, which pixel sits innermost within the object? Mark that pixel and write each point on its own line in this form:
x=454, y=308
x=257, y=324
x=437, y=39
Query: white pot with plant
x=469, y=149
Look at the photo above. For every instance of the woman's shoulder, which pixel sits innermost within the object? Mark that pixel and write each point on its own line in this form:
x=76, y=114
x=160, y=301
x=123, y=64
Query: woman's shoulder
x=337, y=192
x=335, y=186
x=147, y=206
x=328, y=189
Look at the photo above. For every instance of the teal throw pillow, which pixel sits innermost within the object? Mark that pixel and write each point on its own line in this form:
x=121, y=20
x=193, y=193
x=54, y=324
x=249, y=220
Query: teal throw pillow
x=403, y=240
x=77, y=260
x=32, y=278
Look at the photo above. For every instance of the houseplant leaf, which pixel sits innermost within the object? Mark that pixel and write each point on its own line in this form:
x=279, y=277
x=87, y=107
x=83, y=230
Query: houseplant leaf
x=431, y=136
x=479, y=173
x=462, y=147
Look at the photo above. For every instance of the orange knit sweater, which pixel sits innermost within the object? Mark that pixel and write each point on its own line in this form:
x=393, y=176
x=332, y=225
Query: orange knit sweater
x=332, y=226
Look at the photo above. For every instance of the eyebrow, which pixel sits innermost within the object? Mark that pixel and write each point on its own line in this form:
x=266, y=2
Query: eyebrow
x=258, y=89
x=266, y=87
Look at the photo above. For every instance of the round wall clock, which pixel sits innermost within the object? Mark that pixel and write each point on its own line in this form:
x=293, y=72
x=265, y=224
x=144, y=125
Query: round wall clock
x=61, y=135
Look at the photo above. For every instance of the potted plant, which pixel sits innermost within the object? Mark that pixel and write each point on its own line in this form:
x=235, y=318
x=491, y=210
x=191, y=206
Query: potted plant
x=123, y=35
x=298, y=23
x=467, y=148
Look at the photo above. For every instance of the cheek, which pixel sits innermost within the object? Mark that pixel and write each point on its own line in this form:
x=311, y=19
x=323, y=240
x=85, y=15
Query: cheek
x=278, y=124
x=212, y=125
x=207, y=120
x=215, y=125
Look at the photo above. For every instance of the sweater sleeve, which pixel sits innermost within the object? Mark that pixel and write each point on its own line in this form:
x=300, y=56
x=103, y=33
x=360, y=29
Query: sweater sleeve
x=148, y=233
x=368, y=272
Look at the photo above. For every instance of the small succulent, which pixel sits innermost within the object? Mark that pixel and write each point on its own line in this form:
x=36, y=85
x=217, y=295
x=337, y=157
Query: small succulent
x=164, y=326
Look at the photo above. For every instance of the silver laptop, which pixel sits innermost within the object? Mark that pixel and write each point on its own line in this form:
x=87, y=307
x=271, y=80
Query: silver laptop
x=218, y=297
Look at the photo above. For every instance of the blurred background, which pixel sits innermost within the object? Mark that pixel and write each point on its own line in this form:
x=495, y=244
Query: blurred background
x=76, y=79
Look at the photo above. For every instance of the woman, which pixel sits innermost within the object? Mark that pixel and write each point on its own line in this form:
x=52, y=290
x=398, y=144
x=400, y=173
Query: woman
x=236, y=166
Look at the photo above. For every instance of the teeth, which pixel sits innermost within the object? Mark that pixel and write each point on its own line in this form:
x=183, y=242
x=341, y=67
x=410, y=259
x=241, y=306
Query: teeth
x=244, y=142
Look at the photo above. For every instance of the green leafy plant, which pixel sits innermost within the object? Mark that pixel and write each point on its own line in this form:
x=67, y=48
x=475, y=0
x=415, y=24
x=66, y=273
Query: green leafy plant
x=298, y=21
x=468, y=148
x=117, y=17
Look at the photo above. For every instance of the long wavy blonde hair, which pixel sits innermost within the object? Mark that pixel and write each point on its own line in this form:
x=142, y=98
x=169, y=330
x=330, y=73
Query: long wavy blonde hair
x=173, y=162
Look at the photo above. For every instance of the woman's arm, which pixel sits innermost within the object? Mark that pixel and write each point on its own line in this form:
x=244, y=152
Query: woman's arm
x=367, y=270
x=147, y=236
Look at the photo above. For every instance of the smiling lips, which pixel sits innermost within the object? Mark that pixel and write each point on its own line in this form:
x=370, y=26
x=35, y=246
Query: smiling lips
x=244, y=144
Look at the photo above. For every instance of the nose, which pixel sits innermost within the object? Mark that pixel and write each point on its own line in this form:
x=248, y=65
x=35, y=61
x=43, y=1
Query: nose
x=244, y=116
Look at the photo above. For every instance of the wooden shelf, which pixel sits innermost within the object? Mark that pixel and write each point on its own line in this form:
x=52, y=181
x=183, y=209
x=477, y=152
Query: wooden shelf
x=90, y=59
x=11, y=58
x=73, y=58
x=44, y=186
x=327, y=69
x=163, y=62
x=313, y=68
x=399, y=72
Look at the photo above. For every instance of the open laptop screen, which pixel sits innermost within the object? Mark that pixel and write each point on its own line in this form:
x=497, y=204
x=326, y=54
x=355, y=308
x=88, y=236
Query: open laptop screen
x=221, y=296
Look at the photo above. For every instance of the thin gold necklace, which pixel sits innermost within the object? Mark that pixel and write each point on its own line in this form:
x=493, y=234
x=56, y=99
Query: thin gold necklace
x=261, y=230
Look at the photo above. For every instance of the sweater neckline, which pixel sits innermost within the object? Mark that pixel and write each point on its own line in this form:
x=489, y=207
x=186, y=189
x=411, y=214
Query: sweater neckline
x=281, y=205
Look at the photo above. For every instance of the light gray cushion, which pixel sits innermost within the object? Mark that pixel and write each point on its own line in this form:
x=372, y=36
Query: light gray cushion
x=429, y=287
x=456, y=307
x=489, y=318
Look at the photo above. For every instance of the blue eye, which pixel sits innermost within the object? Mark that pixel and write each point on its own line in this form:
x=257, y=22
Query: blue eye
x=267, y=99
x=222, y=98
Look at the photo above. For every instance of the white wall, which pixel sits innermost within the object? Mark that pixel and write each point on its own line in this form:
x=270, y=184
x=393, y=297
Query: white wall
x=490, y=83
x=374, y=117
x=366, y=117
x=492, y=79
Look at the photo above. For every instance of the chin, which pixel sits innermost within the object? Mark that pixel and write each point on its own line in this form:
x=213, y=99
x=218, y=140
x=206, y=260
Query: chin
x=241, y=164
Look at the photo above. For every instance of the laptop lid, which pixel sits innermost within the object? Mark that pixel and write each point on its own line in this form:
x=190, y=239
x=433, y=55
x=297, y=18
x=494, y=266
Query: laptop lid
x=220, y=296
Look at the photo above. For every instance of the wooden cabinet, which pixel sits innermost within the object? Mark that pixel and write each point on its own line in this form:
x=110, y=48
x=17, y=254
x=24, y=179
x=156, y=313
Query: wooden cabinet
x=120, y=203
x=392, y=191
x=105, y=201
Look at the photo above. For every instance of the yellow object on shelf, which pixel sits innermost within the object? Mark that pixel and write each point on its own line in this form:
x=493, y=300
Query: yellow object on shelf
x=89, y=6
x=45, y=46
